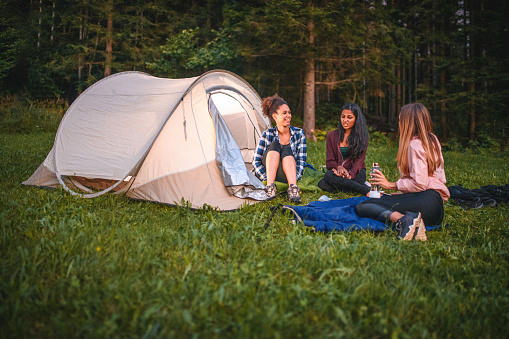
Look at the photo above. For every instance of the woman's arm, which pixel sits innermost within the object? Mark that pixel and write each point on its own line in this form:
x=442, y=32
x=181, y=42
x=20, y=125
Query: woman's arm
x=358, y=163
x=301, y=156
x=258, y=167
x=332, y=157
x=378, y=178
x=418, y=179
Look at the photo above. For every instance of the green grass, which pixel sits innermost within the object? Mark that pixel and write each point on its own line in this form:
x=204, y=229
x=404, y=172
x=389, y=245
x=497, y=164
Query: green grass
x=19, y=116
x=114, y=267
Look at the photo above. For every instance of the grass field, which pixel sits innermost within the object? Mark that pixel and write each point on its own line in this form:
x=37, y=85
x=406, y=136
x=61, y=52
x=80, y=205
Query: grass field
x=114, y=267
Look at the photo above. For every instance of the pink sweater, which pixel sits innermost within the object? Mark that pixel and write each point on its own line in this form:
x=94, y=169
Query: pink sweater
x=419, y=180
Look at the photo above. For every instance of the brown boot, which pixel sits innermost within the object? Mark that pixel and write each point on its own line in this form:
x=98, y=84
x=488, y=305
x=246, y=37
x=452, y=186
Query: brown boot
x=271, y=190
x=294, y=193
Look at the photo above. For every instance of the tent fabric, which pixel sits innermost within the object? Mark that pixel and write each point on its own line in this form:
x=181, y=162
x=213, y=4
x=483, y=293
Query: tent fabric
x=230, y=161
x=161, y=133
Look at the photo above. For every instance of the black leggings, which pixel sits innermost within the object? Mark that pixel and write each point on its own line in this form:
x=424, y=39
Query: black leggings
x=284, y=151
x=333, y=184
x=429, y=203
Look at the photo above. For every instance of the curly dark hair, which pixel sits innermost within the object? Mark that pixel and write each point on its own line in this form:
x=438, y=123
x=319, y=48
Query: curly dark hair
x=359, y=137
x=271, y=104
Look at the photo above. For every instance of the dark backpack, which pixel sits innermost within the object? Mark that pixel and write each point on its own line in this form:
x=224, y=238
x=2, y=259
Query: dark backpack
x=490, y=195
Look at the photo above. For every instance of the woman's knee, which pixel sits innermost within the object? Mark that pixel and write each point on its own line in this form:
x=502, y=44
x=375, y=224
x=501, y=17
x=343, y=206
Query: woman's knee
x=272, y=153
x=330, y=177
x=289, y=161
x=274, y=146
x=360, y=177
x=324, y=186
x=362, y=209
x=373, y=211
x=273, y=156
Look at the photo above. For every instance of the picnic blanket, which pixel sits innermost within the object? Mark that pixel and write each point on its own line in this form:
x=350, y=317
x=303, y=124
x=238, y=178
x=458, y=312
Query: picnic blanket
x=337, y=215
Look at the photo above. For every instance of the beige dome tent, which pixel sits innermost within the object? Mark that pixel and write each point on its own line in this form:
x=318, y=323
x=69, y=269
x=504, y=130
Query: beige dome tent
x=163, y=140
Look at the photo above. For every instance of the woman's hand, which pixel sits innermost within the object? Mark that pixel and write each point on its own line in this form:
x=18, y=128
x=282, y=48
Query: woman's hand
x=378, y=178
x=340, y=171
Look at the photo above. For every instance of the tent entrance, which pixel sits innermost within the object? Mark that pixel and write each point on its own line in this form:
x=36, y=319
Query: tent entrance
x=92, y=187
x=231, y=161
x=234, y=109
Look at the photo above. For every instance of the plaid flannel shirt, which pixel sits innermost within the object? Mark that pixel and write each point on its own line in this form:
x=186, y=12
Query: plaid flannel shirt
x=297, y=143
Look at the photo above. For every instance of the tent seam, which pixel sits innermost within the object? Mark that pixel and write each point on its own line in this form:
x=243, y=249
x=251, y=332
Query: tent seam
x=199, y=138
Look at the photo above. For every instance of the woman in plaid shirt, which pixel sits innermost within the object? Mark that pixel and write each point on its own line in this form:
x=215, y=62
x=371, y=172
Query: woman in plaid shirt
x=281, y=152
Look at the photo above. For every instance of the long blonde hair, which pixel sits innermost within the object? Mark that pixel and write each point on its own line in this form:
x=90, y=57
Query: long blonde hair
x=414, y=120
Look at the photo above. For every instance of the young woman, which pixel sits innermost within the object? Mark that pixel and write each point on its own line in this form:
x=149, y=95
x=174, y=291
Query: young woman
x=281, y=152
x=346, y=151
x=422, y=179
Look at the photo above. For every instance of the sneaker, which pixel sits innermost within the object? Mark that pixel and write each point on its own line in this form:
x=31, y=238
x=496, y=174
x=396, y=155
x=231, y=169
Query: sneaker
x=407, y=225
x=421, y=232
x=294, y=193
x=271, y=190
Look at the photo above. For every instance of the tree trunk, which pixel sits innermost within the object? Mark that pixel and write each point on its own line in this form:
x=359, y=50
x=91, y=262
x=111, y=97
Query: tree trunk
x=309, y=92
x=403, y=86
x=309, y=101
x=398, y=90
x=109, y=40
x=415, y=76
x=39, y=28
x=364, y=99
x=409, y=87
x=443, y=90
x=52, y=21
x=392, y=100
x=443, y=107
x=471, y=124
x=471, y=47
x=80, y=55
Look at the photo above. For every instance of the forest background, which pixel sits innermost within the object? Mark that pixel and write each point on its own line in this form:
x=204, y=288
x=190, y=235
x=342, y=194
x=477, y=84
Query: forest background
x=451, y=55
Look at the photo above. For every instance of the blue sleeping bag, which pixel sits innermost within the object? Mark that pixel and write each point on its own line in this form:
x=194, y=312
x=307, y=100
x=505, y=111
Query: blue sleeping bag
x=337, y=215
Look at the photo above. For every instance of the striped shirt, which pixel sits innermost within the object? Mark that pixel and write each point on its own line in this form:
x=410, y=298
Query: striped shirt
x=297, y=143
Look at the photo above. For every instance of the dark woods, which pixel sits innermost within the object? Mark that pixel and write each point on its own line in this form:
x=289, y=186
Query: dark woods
x=450, y=55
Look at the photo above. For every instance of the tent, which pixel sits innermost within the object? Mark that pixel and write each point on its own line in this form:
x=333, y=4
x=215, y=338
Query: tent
x=165, y=140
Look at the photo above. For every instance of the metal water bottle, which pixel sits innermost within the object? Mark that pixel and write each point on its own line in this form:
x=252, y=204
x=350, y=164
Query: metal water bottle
x=374, y=188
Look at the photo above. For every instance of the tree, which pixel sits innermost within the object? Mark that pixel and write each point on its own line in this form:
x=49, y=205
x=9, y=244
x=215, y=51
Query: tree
x=10, y=47
x=309, y=82
x=185, y=54
x=292, y=38
x=451, y=55
x=109, y=37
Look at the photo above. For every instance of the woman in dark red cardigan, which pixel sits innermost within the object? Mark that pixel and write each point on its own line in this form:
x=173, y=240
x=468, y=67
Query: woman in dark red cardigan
x=346, y=151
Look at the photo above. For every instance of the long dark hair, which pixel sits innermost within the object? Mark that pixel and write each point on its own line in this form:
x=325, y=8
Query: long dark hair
x=359, y=137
